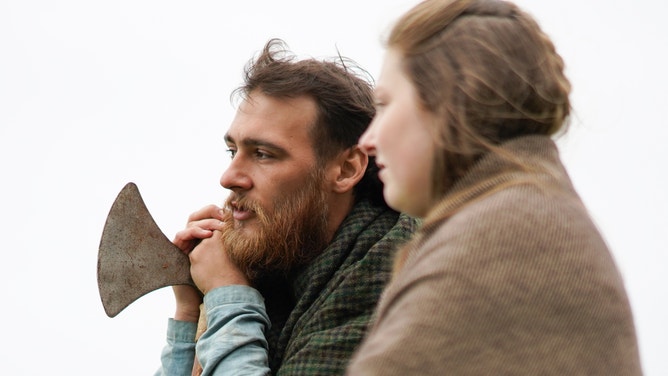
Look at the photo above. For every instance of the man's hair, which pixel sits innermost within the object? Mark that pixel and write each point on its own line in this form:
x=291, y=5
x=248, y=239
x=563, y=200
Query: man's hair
x=343, y=98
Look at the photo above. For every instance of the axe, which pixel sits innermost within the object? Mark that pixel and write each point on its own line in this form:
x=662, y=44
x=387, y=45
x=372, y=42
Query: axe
x=135, y=257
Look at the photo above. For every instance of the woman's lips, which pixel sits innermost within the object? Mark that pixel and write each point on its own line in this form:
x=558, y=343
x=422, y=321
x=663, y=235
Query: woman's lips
x=381, y=169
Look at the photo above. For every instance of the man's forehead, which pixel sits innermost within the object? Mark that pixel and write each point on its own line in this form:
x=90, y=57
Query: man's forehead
x=259, y=102
x=262, y=118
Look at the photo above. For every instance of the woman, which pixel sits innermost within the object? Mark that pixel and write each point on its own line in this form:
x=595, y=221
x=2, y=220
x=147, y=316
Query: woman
x=508, y=274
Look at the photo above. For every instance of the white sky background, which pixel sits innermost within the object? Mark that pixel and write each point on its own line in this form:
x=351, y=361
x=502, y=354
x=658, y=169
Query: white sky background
x=94, y=94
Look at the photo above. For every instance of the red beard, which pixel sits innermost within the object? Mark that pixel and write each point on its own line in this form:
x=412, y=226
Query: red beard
x=289, y=237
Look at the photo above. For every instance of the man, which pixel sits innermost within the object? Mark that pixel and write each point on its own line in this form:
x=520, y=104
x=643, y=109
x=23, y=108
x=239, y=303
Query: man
x=292, y=266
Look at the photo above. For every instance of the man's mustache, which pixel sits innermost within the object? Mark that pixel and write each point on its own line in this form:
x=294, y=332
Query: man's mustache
x=236, y=201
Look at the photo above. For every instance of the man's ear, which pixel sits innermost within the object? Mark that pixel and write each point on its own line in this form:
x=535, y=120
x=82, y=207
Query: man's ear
x=348, y=169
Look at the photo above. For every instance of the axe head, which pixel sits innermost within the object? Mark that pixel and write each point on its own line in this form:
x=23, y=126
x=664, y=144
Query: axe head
x=135, y=257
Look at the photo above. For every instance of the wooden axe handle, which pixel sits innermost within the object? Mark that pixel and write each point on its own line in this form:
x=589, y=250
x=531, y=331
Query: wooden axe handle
x=201, y=328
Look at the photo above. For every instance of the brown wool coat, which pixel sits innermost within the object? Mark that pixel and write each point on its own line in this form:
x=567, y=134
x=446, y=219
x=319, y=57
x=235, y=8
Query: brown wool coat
x=517, y=281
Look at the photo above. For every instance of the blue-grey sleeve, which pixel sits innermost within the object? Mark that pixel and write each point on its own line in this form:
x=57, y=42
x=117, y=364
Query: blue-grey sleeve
x=178, y=355
x=234, y=342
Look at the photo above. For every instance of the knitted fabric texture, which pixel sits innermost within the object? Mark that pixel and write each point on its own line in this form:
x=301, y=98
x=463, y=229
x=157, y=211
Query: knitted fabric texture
x=322, y=315
x=511, y=277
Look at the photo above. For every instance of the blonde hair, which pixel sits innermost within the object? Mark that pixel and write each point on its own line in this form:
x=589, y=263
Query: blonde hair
x=488, y=73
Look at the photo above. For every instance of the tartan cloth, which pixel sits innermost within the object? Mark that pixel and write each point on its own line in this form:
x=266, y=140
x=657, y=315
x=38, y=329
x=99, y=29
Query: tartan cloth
x=320, y=314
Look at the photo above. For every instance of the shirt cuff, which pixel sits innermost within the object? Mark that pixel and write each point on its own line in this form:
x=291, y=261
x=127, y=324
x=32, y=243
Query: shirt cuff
x=232, y=294
x=181, y=331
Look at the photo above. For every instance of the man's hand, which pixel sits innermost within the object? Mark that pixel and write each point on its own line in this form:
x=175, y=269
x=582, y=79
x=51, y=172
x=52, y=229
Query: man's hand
x=210, y=265
x=201, y=225
x=188, y=300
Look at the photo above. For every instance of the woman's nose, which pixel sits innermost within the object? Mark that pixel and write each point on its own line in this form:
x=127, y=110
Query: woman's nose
x=367, y=141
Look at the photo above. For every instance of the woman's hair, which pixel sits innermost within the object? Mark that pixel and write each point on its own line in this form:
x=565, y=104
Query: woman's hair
x=487, y=72
x=341, y=90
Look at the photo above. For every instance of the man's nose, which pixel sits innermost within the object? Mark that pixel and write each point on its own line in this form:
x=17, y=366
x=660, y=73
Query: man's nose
x=236, y=176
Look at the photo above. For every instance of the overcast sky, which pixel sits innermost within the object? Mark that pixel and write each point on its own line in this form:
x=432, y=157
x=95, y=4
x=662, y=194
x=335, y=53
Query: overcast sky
x=94, y=94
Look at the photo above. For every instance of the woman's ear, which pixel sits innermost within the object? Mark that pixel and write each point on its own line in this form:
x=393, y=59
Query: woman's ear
x=349, y=168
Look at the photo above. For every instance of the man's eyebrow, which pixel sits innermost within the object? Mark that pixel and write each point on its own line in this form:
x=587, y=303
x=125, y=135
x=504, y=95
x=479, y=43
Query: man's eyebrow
x=255, y=142
x=228, y=139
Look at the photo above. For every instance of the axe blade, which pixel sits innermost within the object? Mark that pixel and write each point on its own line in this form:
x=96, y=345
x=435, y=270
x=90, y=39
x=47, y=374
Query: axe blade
x=135, y=257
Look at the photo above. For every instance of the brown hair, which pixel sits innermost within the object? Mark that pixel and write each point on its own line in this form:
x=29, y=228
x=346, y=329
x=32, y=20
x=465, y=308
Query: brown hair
x=488, y=73
x=343, y=97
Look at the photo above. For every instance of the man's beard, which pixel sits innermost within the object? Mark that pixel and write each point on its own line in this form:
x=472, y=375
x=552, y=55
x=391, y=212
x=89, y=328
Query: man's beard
x=289, y=237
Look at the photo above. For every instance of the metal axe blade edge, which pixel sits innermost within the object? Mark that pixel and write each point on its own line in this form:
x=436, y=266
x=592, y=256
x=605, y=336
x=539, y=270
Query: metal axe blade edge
x=135, y=257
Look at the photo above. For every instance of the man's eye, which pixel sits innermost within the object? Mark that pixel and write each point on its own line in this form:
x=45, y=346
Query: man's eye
x=260, y=154
x=231, y=152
